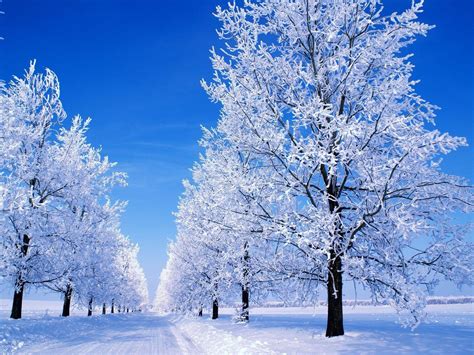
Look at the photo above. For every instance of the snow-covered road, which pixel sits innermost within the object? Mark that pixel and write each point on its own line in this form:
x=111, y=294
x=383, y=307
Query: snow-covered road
x=112, y=334
x=449, y=329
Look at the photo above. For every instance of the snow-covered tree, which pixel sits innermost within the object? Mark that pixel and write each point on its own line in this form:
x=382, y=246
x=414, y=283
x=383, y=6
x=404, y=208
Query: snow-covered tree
x=184, y=285
x=84, y=215
x=30, y=177
x=131, y=291
x=58, y=226
x=345, y=161
x=225, y=234
x=322, y=92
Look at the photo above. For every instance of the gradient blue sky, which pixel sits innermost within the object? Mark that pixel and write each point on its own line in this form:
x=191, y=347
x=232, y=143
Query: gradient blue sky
x=135, y=66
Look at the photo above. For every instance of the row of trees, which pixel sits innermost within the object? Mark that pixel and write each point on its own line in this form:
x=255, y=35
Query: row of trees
x=324, y=167
x=59, y=228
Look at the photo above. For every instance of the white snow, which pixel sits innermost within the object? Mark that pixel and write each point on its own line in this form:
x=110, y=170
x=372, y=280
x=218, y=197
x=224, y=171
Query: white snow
x=369, y=330
x=137, y=333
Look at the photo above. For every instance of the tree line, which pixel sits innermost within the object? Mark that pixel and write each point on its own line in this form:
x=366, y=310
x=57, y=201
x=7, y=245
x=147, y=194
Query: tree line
x=59, y=227
x=324, y=168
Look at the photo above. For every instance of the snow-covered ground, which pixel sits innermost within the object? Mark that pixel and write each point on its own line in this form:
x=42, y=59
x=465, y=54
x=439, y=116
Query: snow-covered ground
x=369, y=329
x=41, y=332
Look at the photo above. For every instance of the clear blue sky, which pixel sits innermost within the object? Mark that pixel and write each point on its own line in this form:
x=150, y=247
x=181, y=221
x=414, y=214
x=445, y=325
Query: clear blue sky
x=135, y=66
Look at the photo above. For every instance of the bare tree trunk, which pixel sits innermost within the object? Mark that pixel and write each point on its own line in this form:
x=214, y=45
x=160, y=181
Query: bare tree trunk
x=245, y=286
x=67, y=301
x=245, y=304
x=17, y=300
x=17, y=304
x=215, y=308
x=89, y=310
x=104, y=309
x=127, y=309
x=112, y=309
x=215, y=303
x=200, y=312
x=335, y=325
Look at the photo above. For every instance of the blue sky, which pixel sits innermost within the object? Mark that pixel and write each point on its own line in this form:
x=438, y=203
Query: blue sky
x=135, y=67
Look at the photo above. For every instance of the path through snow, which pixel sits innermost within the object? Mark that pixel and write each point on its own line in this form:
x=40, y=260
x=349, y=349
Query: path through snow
x=369, y=330
x=112, y=334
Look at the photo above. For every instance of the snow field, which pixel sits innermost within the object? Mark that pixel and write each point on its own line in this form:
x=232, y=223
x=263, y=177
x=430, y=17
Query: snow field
x=369, y=330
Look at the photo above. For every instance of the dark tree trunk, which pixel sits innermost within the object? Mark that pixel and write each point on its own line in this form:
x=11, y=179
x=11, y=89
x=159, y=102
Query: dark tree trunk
x=245, y=287
x=104, y=309
x=335, y=325
x=245, y=304
x=20, y=284
x=17, y=300
x=112, y=309
x=127, y=310
x=67, y=301
x=200, y=312
x=89, y=310
x=215, y=308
